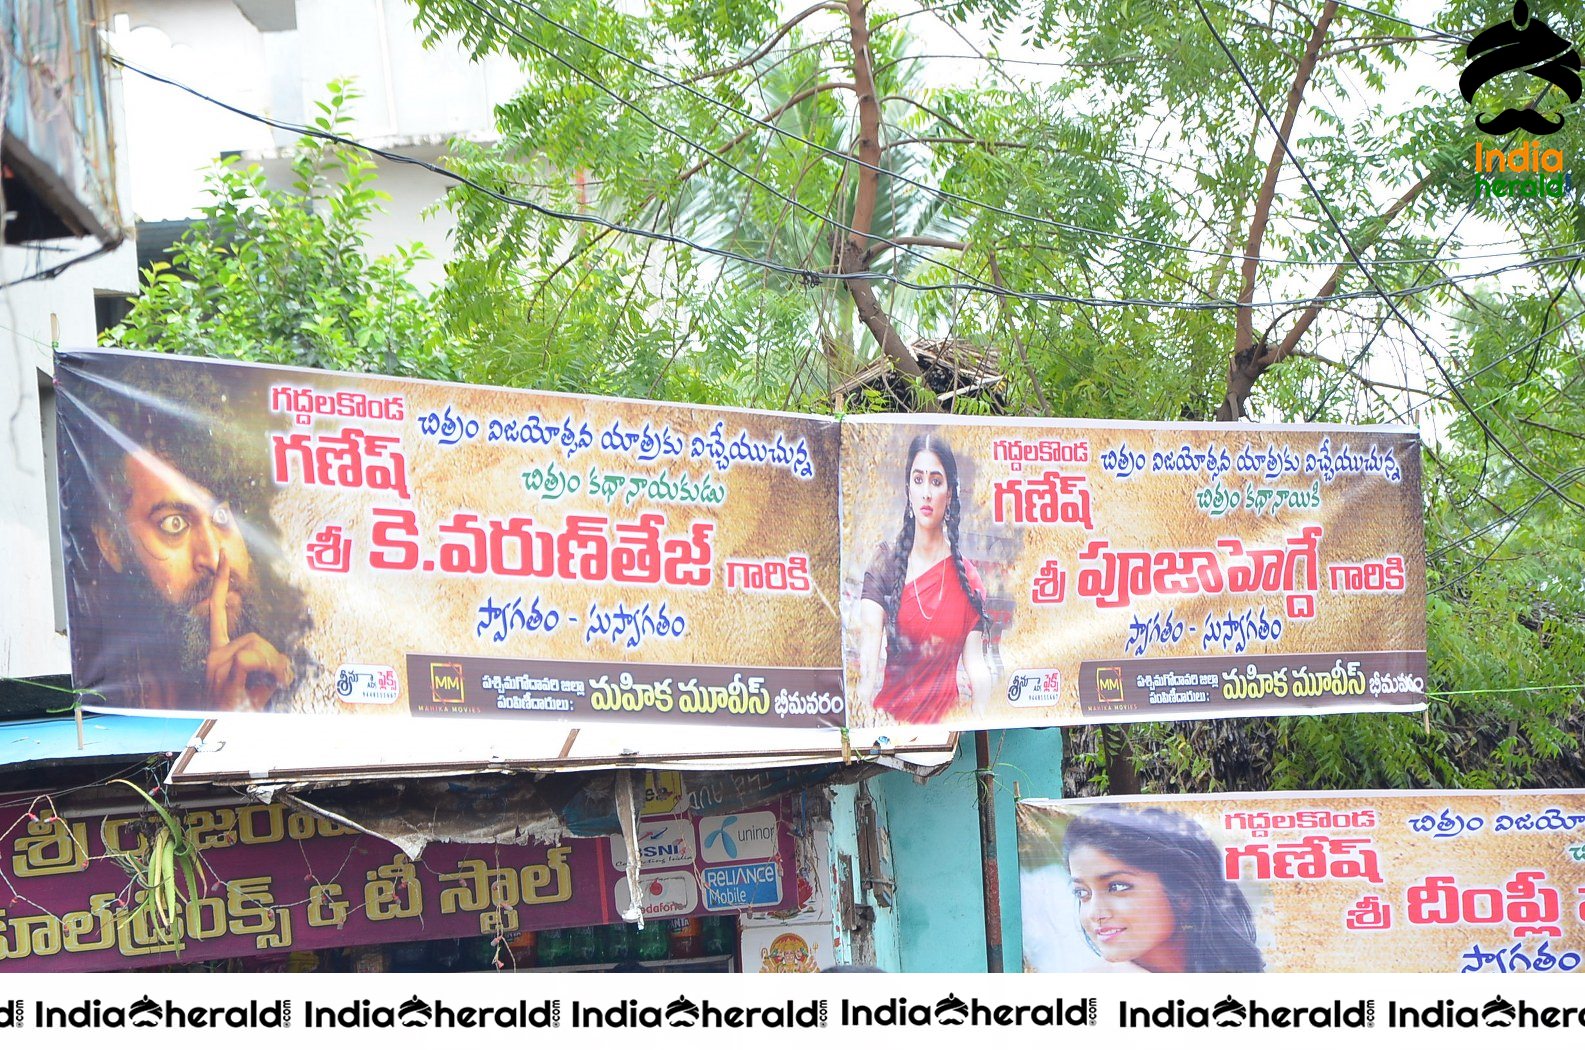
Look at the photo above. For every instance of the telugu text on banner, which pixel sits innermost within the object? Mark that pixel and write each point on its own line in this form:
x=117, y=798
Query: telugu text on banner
x=1007, y=572
x=1467, y=882
x=243, y=538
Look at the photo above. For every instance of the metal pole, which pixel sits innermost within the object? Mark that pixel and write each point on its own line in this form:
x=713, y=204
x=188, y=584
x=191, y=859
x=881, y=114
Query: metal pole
x=988, y=865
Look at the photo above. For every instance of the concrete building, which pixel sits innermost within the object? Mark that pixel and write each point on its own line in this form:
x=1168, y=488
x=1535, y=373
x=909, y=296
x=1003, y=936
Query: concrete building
x=67, y=253
x=275, y=58
x=898, y=852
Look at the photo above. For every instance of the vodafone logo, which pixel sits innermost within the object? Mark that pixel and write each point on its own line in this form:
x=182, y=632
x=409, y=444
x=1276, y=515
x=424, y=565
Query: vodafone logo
x=665, y=894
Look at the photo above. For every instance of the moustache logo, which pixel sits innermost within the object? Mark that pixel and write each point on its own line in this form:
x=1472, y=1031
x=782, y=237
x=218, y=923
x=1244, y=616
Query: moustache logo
x=1229, y=1013
x=145, y=1013
x=414, y=1012
x=952, y=1010
x=1525, y=44
x=1499, y=1013
x=682, y=1012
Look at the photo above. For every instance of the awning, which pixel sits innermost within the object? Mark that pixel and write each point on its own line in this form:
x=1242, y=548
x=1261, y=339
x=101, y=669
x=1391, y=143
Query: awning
x=413, y=783
x=54, y=740
x=257, y=751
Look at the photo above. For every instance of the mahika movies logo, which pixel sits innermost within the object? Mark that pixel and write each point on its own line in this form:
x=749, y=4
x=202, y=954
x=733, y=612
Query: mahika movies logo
x=1522, y=44
x=445, y=683
x=1109, y=684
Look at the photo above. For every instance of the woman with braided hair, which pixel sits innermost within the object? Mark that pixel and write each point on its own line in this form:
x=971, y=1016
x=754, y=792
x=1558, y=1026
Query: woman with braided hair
x=922, y=609
x=1152, y=895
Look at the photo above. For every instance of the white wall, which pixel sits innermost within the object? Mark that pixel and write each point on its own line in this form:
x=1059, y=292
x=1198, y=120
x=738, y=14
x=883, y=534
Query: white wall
x=410, y=94
x=32, y=642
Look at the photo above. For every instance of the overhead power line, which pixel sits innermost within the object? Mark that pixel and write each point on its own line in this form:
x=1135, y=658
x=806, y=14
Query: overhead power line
x=846, y=158
x=1370, y=278
x=813, y=275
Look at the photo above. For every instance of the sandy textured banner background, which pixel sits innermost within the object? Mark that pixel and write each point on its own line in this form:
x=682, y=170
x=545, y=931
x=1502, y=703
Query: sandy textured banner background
x=1482, y=841
x=367, y=617
x=1364, y=517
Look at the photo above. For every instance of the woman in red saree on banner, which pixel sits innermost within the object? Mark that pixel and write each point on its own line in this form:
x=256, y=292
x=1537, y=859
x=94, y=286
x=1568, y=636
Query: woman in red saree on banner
x=922, y=609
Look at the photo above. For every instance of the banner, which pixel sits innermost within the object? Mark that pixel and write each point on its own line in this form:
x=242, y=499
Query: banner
x=249, y=538
x=279, y=880
x=389, y=546
x=1467, y=882
x=1014, y=572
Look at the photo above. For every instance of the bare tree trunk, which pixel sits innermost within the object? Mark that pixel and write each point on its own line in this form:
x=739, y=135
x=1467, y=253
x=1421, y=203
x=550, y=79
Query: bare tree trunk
x=1244, y=368
x=855, y=247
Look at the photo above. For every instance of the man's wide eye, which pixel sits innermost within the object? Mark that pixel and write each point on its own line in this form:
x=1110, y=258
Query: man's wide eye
x=172, y=524
x=222, y=516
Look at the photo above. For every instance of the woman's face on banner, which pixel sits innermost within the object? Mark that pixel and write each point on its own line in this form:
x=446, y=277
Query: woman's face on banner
x=928, y=494
x=1125, y=911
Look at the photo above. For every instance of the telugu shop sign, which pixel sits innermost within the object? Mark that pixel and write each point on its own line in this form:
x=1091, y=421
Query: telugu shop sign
x=250, y=538
x=279, y=880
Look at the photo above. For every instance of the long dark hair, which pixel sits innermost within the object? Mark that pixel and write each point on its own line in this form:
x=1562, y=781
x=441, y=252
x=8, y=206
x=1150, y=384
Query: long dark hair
x=928, y=442
x=1217, y=925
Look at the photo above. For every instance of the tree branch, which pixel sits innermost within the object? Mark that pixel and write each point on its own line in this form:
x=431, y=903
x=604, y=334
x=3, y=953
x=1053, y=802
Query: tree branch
x=1307, y=318
x=919, y=242
x=766, y=48
x=1244, y=329
x=1244, y=366
x=955, y=139
x=855, y=246
x=948, y=121
x=737, y=139
x=1350, y=370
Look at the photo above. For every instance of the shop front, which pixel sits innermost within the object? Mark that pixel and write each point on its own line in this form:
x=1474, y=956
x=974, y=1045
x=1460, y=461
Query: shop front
x=580, y=867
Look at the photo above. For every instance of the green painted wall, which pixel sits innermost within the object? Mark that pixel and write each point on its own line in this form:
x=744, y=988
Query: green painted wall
x=935, y=848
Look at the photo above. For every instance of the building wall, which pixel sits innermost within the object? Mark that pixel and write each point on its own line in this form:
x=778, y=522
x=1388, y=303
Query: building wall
x=32, y=315
x=414, y=100
x=934, y=832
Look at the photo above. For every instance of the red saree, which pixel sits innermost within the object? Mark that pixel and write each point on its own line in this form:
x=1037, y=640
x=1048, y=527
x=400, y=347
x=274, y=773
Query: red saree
x=934, y=619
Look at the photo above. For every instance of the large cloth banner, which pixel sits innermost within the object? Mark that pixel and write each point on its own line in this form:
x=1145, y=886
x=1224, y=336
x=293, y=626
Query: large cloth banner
x=1465, y=882
x=1007, y=572
x=390, y=546
x=278, y=880
x=249, y=538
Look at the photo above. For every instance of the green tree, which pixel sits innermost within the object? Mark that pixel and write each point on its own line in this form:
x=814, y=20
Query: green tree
x=281, y=275
x=1208, y=209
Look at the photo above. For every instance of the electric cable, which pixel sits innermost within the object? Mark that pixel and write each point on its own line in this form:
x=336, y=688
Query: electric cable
x=812, y=275
x=1369, y=277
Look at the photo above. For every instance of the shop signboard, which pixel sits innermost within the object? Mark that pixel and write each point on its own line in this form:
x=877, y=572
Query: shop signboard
x=278, y=880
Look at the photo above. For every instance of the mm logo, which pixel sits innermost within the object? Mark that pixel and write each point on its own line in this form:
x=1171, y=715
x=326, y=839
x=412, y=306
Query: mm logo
x=445, y=683
x=1109, y=684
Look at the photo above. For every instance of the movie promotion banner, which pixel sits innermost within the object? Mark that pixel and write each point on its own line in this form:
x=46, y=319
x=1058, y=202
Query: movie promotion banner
x=280, y=880
x=250, y=538
x=1466, y=882
x=1017, y=572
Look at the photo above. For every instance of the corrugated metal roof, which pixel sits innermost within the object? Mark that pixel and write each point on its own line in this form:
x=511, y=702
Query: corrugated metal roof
x=104, y=736
x=242, y=750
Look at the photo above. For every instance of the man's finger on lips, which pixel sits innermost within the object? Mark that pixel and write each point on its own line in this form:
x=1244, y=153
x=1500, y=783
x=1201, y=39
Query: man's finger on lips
x=219, y=595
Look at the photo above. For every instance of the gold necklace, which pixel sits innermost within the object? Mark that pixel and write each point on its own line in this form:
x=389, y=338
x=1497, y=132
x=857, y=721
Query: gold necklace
x=919, y=602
